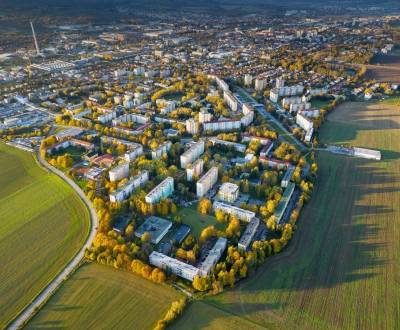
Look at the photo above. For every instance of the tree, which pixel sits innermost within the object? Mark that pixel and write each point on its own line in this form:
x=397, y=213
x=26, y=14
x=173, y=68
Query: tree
x=204, y=206
x=207, y=233
x=146, y=237
x=201, y=283
x=271, y=223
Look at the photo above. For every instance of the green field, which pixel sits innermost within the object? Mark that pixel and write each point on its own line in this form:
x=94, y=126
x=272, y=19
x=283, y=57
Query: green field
x=342, y=269
x=196, y=221
x=43, y=223
x=100, y=297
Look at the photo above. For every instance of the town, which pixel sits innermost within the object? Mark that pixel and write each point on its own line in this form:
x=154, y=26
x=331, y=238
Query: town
x=194, y=144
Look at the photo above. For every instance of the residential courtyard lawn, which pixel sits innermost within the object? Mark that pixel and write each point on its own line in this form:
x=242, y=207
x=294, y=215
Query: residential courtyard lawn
x=341, y=270
x=43, y=223
x=197, y=222
x=101, y=297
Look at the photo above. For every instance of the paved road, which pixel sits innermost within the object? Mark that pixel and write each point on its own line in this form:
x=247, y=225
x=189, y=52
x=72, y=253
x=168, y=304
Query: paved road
x=263, y=112
x=29, y=311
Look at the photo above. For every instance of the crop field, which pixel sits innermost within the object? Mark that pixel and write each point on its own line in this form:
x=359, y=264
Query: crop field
x=100, y=297
x=385, y=67
x=342, y=268
x=43, y=223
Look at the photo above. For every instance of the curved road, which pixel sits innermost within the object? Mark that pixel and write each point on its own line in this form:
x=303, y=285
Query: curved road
x=30, y=309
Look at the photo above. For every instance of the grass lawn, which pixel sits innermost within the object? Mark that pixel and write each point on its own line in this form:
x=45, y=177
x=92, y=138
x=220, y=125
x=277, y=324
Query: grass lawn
x=341, y=270
x=318, y=102
x=42, y=225
x=101, y=297
x=196, y=221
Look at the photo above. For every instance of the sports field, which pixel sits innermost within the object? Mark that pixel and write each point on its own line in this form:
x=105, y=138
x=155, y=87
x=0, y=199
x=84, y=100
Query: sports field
x=43, y=223
x=342, y=269
x=101, y=297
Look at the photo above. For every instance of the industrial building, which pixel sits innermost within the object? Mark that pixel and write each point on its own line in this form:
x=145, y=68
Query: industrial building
x=228, y=192
x=207, y=181
x=163, y=190
x=190, y=155
x=119, y=172
x=156, y=227
x=248, y=235
x=239, y=213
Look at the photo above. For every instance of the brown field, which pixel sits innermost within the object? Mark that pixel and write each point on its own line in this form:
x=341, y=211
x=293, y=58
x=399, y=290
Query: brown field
x=385, y=68
x=342, y=268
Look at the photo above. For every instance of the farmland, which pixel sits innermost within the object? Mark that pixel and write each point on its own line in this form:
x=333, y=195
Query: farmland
x=385, y=68
x=98, y=296
x=42, y=225
x=341, y=270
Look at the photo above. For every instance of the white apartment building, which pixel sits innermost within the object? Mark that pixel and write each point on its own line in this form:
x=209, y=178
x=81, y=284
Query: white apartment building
x=304, y=122
x=228, y=192
x=190, y=155
x=248, y=79
x=123, y=192
x=207, y=181
x=192, y=126
x=231, y=100
x=239, y=213
x=247, y=119
x=176, y=266
x=162, y=149
x=204, y=116
x=260, y=84
x=131, y=117
x=222, y=125
x=280, y=82
x=133, y=152
x=248, y=234
x=213, y=256
x=163, y=190
x=119, y=172
x=195, y=169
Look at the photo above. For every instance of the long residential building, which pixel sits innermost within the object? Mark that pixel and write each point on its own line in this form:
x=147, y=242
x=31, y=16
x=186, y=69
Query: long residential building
x=239, y=213
x=119, y=172
x=162, y=149
x=248, y=234
x=185, y=270
x=213, y=256
x=222, y=125
x=124, y=192
x=163, y=190
x=195, y=169
x=207, y=181
x=133, y=152
x=283, y=203
x=190, y=155
x=176, y=266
